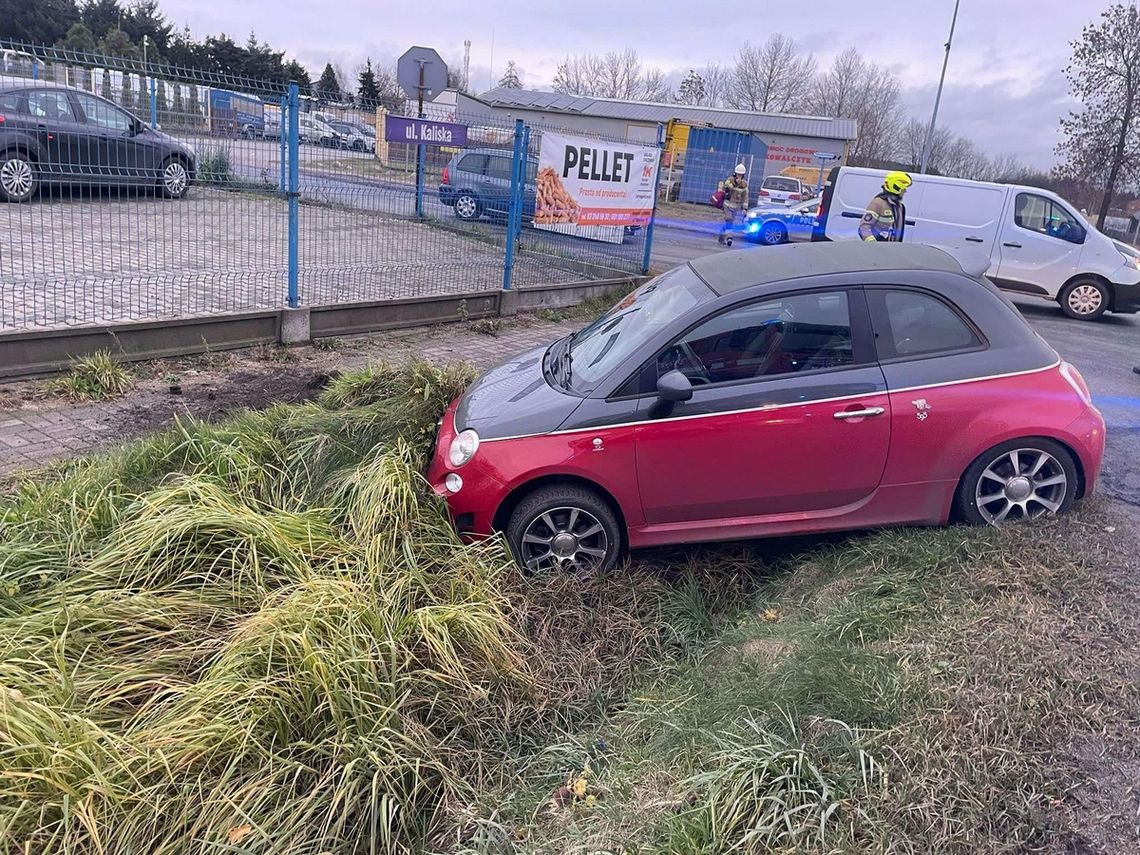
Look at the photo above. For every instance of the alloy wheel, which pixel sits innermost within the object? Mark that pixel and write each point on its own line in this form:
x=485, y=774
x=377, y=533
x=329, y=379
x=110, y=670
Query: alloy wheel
x=564, y=540
x=17, y=178
x=1023, y=483
x=175, y=179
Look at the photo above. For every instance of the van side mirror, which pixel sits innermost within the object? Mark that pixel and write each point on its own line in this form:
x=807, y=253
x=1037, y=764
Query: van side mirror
x=674, y=387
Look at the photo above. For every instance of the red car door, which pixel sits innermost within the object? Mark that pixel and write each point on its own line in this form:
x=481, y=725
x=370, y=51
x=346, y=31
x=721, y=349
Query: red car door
x=789, y=414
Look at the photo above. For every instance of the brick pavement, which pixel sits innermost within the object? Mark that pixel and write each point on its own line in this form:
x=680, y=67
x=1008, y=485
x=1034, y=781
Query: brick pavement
x=43, y=431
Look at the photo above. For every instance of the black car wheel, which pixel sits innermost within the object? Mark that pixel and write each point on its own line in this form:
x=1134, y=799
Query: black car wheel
x=467, y=207
x=564, y=528
x=1018, y=480
x=773, y=234
x=1084, y=299
x=175, y=178
x=18, y=180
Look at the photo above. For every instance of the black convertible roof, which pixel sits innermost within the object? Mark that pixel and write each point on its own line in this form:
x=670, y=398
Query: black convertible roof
x=726, y=272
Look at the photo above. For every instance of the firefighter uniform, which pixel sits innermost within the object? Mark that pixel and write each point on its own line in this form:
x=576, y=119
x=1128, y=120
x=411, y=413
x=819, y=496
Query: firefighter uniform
x=884, y=219
x=735, y=189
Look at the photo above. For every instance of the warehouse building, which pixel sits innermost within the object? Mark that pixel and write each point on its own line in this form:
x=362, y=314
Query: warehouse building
x=703, y=143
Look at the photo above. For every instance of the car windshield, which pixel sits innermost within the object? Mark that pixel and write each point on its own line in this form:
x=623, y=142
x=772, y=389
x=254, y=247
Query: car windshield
x=600, y=348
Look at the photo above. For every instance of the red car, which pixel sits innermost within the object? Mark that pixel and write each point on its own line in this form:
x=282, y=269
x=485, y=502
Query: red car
x=812, y=387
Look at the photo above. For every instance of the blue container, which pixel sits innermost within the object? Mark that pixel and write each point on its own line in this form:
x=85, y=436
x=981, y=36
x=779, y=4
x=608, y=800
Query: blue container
x=712, y=155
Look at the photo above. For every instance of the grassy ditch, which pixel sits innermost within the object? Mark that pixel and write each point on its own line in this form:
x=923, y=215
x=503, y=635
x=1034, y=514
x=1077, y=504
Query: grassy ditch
x=263, y=636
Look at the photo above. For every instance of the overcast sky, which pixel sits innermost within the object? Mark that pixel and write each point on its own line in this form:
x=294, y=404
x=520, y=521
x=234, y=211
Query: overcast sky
x=1004, y=87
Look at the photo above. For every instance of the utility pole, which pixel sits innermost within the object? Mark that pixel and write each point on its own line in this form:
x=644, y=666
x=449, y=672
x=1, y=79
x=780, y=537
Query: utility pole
x=938, y=98
x=467, y=65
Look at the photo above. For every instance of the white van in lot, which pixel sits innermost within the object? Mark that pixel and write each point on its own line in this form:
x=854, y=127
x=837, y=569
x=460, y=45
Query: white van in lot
x=1037, y=242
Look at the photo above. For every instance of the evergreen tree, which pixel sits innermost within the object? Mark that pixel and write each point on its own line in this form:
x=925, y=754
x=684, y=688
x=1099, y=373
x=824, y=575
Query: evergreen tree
x=194, y=108
x=328, y=87
x=37, y=21
x=105, y=86
x=118, y=44
x=143, y=18
x=178, y=106
x=297, y=73
x=79, y=39
x=101, y=17
x=368, y=91
x=510, y=79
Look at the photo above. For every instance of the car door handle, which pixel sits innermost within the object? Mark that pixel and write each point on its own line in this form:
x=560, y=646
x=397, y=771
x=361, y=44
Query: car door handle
x=974, y=240
x=860, y=414
x=1012, y=245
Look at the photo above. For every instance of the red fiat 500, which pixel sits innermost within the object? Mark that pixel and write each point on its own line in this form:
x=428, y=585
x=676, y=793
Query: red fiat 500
x=811, y=387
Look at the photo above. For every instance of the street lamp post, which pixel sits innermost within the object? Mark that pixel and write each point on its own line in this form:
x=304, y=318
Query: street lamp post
x=938, y=98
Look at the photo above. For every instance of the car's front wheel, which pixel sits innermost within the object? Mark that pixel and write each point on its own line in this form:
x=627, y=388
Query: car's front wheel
x=467, y=207
x=1018, y=480
x=564, y=528
x=1084, y=299
x=773, y=234
x=18, y=181
x=175, y=179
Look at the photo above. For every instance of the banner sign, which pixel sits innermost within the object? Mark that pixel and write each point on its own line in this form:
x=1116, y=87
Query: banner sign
x=400, y=129
x=585, y=183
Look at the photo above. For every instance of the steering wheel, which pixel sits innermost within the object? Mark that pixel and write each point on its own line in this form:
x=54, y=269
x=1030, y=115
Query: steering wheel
x=689, y=364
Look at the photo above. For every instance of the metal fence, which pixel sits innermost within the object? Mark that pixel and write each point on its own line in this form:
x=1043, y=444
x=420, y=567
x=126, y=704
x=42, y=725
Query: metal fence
x=208, y=194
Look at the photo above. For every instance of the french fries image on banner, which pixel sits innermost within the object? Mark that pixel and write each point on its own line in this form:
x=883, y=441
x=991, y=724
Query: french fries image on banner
x=553, y=204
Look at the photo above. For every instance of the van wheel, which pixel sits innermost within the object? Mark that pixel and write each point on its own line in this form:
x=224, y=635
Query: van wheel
x=564, y=529
x=467, y=207
x=1084, y=299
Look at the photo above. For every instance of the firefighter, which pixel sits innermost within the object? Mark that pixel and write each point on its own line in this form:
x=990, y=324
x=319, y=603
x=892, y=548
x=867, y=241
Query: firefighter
x=885, y=218
x=735, y=189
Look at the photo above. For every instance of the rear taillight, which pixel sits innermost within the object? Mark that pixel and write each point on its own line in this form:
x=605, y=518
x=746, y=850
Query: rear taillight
x=764, y=193
x=1074, y=378
x=446, y=176
x=795, y=197
x=1, y=118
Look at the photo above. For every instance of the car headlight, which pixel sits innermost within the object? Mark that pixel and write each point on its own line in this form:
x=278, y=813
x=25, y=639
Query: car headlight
x=1132, y=261
x=463, y=448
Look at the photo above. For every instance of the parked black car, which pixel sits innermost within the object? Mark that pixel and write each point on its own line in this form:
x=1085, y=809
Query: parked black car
x=59, y=135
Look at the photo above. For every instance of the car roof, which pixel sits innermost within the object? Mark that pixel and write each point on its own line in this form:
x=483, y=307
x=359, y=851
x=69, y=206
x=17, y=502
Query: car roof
x=727, y=272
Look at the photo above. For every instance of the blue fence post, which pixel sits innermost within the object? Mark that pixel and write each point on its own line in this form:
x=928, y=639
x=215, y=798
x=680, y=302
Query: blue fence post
x=293, y=193
x=281, y=129
x=513, y=212
x=420, y=150
x=518, y=186
x=656, y=190
x=153, y=103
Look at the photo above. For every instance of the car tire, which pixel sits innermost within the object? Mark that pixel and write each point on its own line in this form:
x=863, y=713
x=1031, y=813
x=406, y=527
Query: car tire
x=18, y=180
x=1084, y=299
x=773, y=234
x=174, y=179
x=1044, y=482
x=468, y=207
x=580, y=531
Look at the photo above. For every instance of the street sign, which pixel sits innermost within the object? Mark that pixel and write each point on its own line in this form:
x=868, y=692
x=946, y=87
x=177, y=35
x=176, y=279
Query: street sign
x=825, y=155
x=423, y=131
x=433, y=79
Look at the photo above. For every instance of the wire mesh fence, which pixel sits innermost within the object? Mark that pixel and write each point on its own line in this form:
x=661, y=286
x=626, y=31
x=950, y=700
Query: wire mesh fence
x=143, y=192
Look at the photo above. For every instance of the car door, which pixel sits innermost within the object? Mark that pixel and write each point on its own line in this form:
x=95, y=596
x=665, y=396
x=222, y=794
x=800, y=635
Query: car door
x=122, y=153
x=964, y=213
x=789, y=414
x=59, y=131
x=497, y=183
x=1040, y=245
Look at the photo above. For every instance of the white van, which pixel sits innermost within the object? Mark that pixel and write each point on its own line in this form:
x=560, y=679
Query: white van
x=1037, y=242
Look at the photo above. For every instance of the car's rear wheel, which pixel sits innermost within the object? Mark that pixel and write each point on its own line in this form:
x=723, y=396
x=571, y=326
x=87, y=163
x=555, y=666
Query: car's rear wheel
x=467, y=207
x=1084, y=299
x=773, y=234
x=1018, y=480
x=564, y=528
x=18, y=181
x=175, y=178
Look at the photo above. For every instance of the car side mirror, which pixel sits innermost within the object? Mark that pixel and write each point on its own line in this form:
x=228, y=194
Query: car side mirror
x=674, y=387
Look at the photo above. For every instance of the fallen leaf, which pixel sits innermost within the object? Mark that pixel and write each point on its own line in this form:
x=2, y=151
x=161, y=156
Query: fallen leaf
x=771, y=615
x=239, y=833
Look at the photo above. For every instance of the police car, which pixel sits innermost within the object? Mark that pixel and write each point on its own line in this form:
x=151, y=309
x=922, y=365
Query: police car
x=775, y=225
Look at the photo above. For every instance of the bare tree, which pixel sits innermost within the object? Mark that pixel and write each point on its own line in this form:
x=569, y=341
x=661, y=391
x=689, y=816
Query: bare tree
x=772, y=77
x=654, y=87
x=617, y=74
x=576, y=75
x=1101, y=143
x=718, y=80
x=854, y=88
x=1007, y=167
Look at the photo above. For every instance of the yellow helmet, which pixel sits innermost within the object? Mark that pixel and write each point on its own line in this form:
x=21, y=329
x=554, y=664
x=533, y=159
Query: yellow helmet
x=896, y=183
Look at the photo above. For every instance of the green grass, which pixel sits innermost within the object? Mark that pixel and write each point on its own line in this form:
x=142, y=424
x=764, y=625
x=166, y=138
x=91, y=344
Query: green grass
x=94, y=377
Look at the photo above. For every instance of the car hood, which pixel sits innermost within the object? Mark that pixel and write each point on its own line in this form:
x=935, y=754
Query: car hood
x=514, y=399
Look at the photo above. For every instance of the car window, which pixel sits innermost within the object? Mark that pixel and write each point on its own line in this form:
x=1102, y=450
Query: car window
x=103, y=115
x=10, y=102
x=51, y=106
x=798, y=332
x=782, y=184
x=499, y=167
x=531, y=171
x=475, y=163
x=1043, y=215
x=918, y=325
